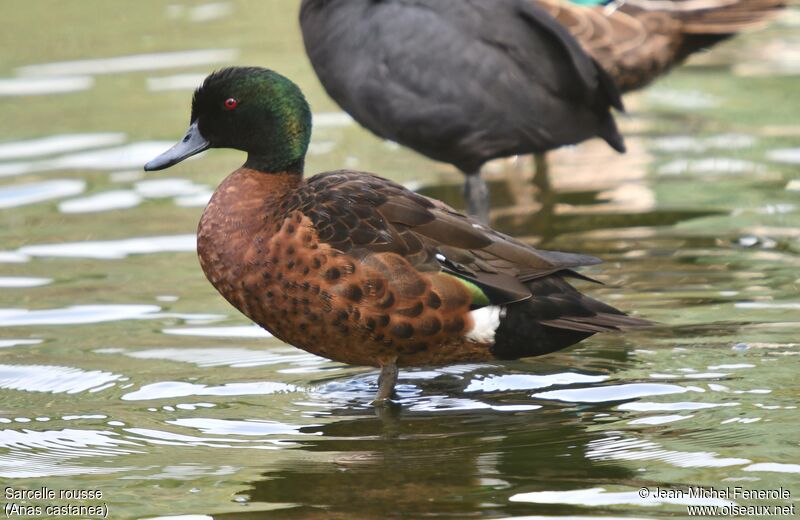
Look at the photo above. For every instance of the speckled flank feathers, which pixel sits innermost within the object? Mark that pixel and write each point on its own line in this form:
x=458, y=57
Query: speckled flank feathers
x=317, y=298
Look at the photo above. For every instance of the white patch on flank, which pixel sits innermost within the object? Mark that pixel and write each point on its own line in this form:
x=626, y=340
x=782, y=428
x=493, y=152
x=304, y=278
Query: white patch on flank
x=486, y=319
x=440, y=257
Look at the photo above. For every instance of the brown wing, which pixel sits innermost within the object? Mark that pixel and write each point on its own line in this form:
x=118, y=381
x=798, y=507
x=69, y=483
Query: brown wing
x=360, y=214
x=638, y=40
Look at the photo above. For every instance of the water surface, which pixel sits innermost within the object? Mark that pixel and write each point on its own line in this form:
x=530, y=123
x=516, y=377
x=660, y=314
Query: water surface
x=122, y=370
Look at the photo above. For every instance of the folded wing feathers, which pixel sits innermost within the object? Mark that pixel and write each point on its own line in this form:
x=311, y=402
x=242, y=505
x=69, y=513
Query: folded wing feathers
x=362, y=214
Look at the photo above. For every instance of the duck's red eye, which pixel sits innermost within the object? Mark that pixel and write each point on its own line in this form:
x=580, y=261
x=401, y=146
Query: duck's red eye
x=230, y=103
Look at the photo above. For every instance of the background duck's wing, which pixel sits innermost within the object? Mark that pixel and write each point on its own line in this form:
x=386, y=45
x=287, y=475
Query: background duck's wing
x=639, y=40
x=360, y=214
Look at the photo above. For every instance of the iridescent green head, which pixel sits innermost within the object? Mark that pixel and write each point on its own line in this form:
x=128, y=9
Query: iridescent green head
x=251, y=109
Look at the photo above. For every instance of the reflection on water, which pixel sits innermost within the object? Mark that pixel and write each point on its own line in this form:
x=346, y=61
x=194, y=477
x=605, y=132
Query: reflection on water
x=632, y=448
x=121, y=368
x=23, y=281
x=250, y=331
x=36, y=378
x=14, y=342
x=74, y=315
x=528, y=382
x=774, y=466
x=24, y=194
x=57, y=144
x=105, y=201
x=711, y=165
x=169, y=389
x=787, y=155
x=43, y=453
x=44, y=86
x=175, y=82
x=202, y=12
x=228, y=356
x=84, y=314
x=601, y=497
x=132, y=63
x=611, y=393
x=111, y=249
x=126, y=156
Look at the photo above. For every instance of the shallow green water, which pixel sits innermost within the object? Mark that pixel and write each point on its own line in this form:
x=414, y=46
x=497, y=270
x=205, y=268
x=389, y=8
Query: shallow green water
x=122, y=370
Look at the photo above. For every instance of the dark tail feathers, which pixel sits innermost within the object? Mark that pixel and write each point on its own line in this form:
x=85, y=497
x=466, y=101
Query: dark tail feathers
x=608, y=126
x=556, y=317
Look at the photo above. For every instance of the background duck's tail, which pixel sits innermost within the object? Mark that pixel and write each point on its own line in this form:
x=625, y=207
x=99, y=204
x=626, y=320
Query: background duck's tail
x=636, y=41
x=556, y=316
x=706, y=22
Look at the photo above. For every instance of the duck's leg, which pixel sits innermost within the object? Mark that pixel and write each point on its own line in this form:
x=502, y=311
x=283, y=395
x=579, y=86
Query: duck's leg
x=541, y=176
x=386, y=382
x=476, y=194
x=545, y=194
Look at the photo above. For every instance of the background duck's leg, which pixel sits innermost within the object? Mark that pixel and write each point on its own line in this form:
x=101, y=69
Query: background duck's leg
x=476, y=194
x=541, y=176
x=386, y=382
x=519, y=182
x=545, y=193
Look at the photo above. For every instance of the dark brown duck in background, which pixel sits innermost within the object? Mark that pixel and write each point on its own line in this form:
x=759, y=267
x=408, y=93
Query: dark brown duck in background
x=466, y=81
x=356, y=268
x=460, y=81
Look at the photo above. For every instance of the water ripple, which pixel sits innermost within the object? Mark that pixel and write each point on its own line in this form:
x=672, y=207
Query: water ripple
x=30, y=454
x=688, y=143
x=175, y=82
x=76, y=314
x=5, y=343
x=104, y=201
x=132, y=155
x=602, y=394
x=131, y=63
x=776, y=467
x=630, y=448
x=601, y=497
x=724, y=165
x=160, y=437
x=23, y=281
x=233, y=357
x=786, y=155
x=442, y=403
x=200, y=13
x=645, y=406
x=170, y=389
x=31, y=193
x=250, y=427
x=528, y=382
x=54, y=379
x=43, y=86
x=165, y=188
x=660, y=419
x=332, y=120
x=57, y=144
x=107, y=249
x=246, y=331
